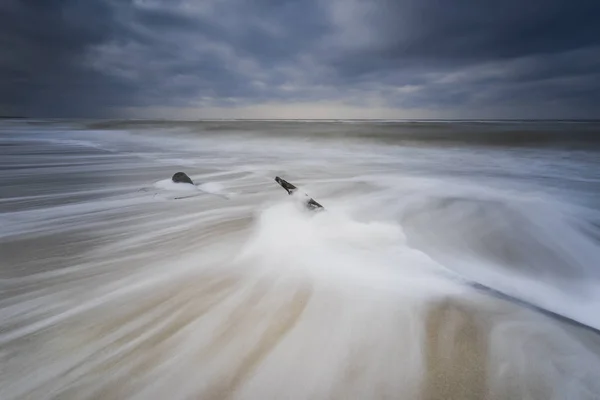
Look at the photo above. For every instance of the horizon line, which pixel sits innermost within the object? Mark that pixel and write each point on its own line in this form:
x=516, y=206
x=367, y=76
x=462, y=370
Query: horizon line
x=307, y=119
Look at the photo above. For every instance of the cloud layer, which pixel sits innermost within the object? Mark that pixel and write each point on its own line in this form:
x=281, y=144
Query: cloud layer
x=309, y=58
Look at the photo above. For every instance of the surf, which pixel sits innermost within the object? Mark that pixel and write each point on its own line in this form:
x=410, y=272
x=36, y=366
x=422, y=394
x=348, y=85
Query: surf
x=431, y=271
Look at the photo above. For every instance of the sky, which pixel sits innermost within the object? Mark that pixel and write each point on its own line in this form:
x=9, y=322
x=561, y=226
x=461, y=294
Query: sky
x=192, y=59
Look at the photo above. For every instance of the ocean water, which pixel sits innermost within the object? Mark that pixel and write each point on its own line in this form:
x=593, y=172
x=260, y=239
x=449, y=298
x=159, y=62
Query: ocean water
x=454, y=260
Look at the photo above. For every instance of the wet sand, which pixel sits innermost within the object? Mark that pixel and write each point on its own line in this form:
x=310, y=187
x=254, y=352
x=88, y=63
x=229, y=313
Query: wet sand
x=238, y=293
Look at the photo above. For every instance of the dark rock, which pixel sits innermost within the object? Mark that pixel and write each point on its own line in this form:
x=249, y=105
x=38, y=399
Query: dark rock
x=181, y=177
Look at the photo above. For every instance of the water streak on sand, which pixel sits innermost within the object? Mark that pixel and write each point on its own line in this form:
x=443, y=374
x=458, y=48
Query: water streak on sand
x=117, y=283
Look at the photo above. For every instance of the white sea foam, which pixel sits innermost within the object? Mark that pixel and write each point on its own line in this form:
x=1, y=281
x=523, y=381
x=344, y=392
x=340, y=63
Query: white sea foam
x=235, y=290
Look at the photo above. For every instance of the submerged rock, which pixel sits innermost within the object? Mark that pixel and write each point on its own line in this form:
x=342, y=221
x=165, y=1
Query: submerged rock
x=181, y=177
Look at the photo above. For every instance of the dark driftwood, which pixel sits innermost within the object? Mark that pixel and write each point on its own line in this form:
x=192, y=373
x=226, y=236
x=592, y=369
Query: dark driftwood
x=291, y=189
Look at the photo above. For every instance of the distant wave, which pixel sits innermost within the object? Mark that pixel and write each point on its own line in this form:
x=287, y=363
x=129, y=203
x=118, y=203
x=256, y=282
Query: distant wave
x=582, y=134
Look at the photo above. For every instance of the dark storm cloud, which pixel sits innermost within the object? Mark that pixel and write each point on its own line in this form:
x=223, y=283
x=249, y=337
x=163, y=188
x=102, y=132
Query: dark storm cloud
x=40, y=70
x=465, y=57
x=475, y=30
x=477, y=53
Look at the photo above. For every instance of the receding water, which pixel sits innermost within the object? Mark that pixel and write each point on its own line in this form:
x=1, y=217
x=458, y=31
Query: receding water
x=455, y=260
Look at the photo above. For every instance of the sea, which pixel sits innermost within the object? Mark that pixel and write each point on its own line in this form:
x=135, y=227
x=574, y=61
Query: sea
x=451, y=259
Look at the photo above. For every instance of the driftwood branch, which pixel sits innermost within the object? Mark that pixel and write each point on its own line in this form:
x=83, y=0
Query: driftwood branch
x=291, y=189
